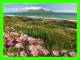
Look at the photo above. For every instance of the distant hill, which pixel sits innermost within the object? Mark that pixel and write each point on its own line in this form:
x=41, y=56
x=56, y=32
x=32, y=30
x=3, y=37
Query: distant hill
x=34, y=10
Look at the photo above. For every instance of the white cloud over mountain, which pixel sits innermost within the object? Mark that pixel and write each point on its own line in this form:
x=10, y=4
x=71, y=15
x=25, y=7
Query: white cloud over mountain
x=23, y=9
x=26, y=9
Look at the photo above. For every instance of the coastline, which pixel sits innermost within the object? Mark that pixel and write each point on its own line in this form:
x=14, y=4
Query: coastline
x=44, y=18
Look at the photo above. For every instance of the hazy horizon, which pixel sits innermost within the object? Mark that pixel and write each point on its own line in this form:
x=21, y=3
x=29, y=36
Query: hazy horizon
x=65, y=8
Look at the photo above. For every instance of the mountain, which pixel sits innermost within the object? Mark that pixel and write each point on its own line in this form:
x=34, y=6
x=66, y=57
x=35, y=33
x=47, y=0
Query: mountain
x=33, y=10
x=38, y=11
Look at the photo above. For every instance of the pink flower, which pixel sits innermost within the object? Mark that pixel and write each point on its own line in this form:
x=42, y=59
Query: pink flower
x=45, y=51
x=31, y=47
x=10, y=43
x=9, y=39
x=19, y=45
x=23, y=53
x=34, y=52
x=39, y=47
x=72, y=53
x=5, y=41
x=25, y=36
x=55, y=53
x=18, y=39
x=31, y=42
x=30, y=39
x=22, y=37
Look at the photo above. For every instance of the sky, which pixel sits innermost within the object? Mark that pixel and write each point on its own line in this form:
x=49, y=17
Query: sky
x=55, y=7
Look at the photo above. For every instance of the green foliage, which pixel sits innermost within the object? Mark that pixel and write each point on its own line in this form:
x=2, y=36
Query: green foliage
x=49, y=32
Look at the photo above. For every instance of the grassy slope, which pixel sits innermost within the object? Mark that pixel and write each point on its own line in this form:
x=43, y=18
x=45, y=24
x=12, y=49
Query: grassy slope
x=56, y=34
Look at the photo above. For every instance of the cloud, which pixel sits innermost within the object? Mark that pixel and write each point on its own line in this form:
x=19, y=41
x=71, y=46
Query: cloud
x=23, y=9
x=55, y=8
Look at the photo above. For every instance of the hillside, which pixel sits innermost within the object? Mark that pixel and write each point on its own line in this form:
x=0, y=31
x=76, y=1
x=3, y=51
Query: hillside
x=56, y=34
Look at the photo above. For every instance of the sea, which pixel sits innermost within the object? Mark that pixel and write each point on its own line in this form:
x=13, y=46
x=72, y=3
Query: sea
x=65, y=16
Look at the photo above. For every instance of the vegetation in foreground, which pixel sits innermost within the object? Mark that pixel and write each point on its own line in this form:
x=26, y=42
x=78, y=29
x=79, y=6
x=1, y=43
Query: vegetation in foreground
x=57, y=35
